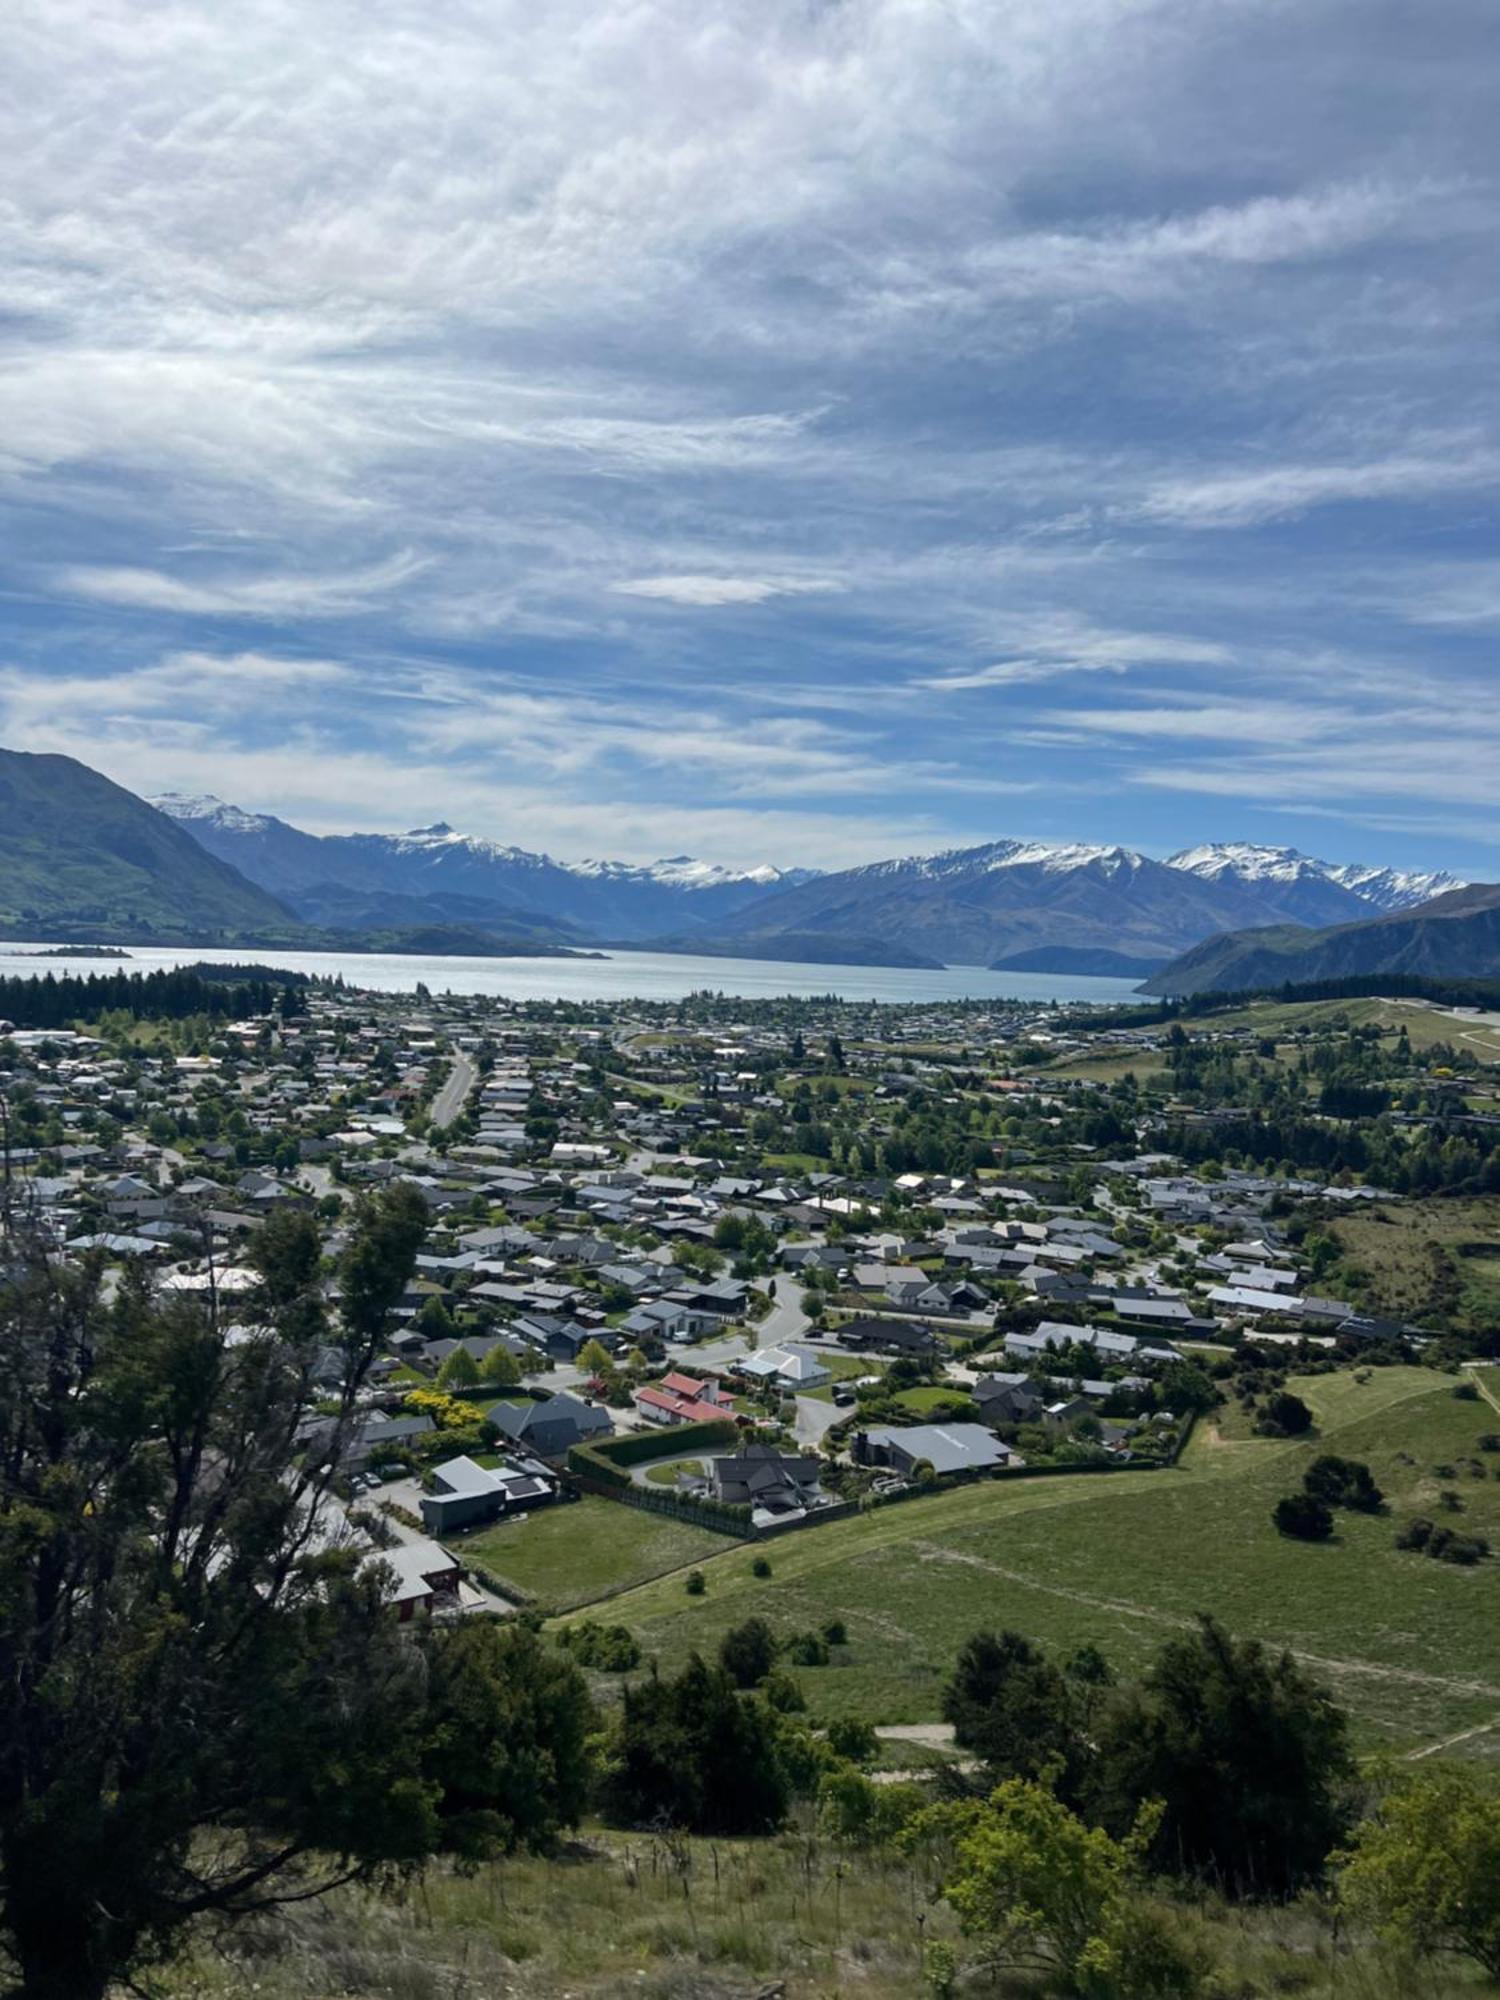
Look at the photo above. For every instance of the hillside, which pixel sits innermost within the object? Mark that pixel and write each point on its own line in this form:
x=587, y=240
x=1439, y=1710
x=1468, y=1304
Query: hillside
x=1456, y=935
x=1117, y=1561
x=80, y=855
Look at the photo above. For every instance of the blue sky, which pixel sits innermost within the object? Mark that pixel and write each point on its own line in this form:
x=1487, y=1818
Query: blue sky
x=807, y=430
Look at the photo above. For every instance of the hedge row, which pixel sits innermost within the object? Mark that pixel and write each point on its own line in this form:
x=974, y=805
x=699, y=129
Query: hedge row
x=672, y=1441
x=719, y=1515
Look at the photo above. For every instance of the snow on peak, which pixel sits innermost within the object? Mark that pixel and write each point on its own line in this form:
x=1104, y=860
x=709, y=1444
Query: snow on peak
x=204, y=808
x=1382, y=888
x=1250, y=863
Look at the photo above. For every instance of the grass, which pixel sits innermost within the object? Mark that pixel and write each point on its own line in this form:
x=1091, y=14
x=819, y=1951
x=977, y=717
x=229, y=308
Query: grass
x=1418, y=1258
x=666, y=1474
x=673, y=1919
x=920, y=1401
x=1407, y=1644
x=573, y=1555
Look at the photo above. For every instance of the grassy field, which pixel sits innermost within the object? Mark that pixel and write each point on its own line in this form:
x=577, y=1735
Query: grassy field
x=1411, y=1646
x=1425, y=1256
x=571, y=1555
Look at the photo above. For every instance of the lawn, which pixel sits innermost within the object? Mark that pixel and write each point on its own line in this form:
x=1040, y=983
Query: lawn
x=665, y=1473
x=921, y=1401
x=1409, y=1645
x=571, y=1555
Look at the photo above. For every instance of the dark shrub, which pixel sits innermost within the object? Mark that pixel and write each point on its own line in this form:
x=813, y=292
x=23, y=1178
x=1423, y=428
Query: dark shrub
x=1302, y=1516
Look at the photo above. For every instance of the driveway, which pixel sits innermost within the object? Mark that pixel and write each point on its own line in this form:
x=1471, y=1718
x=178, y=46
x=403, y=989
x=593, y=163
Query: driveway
x=814, y=1417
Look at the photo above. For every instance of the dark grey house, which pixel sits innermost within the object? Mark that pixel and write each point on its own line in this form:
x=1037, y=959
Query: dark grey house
x=552, y=1428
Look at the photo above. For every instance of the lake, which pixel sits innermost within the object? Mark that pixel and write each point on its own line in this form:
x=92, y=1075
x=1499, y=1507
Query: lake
x=618, y=975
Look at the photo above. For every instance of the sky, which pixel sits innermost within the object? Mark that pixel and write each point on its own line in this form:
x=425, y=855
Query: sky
x=789, y=430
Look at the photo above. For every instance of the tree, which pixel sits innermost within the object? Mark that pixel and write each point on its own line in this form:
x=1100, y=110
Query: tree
x=187, y=1643
x=1012, y=1707
x=1047, y=1894
x=747, y=1652
x=594, y=1358
x=434, y=1321
x=459, y=1370
x=1284, y=1415
x=1343, y=1482
x=695, y=1753
x=1425, y=1870
x=1303, y=1517
x=1249, y=1757
x=510, y=1750
x=500, y=1368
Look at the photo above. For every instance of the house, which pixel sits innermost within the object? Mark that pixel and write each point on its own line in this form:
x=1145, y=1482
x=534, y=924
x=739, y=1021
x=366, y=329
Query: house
x=379, y=1433
x=947, y=1448
x=551, y=1428
x=465, y=1494
x=774, y=1485
x=427, y=1578
x=1006, y=1402
x=890, y=1336
x=792, y=1367
x=683, y=1399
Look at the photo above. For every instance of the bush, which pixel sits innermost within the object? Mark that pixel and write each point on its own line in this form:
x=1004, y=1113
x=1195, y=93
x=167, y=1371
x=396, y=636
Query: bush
x=781, y=1692
x=747, y=1652
x=853, y=1740
x=1343, y=1482
x=695, y=1583
x=835, y=1632
x=1465, y=1392
x=609, y=1649
x=807, y=1649
x=1302, y=1517
x=695, y=1753
x=1489, y=1441
x=1416, y=1534
x=761, y=1566
x=1284, y=1415
x=1425, y=1871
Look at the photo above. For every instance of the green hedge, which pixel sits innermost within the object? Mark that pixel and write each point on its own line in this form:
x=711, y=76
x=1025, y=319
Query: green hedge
x=672, y=1441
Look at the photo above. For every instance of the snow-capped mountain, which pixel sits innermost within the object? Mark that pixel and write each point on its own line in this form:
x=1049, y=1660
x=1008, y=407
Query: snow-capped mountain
x=1027, y=904
x=1376, y=889
x=345, y=879
x=1040, y=905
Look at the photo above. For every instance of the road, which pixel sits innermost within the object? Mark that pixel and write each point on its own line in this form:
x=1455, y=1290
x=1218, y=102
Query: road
x=786, y=1320
x=450, y=1099
x=814, y=1417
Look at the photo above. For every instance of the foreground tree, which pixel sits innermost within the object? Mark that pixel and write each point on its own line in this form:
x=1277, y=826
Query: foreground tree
x=1249, y=1758
x=205, y=1703
x=697, y=1754
x=1045, y=1894
x=1425, y=1871
x=1011, y=1706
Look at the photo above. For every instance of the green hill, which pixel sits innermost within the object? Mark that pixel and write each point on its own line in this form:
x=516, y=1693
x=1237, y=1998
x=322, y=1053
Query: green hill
x=1121, y=1560
x=80, y=857
x=1454, y=936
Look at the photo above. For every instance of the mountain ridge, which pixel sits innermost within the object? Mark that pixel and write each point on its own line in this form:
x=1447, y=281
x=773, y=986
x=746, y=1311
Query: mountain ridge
x=1455, y=935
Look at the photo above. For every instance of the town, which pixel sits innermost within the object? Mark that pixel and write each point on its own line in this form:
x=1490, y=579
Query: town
x=734, y=1269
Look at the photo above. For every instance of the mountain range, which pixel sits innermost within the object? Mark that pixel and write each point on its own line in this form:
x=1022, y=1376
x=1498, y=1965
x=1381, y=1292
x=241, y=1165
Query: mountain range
x=1018, y=905
x=80, y=857
x=339, y=880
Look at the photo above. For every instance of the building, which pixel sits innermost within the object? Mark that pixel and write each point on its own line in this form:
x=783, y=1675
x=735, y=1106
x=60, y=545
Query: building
x=465, y=1494
x=947, y=1448
x=550, y=1428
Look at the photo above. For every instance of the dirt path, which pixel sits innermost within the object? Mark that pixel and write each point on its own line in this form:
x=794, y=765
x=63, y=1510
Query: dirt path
x=1405, y=1676
x=1448, y=1742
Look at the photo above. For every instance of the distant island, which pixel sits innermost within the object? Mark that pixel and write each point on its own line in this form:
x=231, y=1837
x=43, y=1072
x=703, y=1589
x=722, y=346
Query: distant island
x=77, y=951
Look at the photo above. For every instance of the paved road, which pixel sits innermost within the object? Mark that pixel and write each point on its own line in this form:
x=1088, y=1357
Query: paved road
x=450, y=1099
x=786, y=1320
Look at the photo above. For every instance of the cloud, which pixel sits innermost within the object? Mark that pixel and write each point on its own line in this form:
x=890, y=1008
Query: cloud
x=281, y=596
x=485, y=361
x=1245, y=499
x=715, y=590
